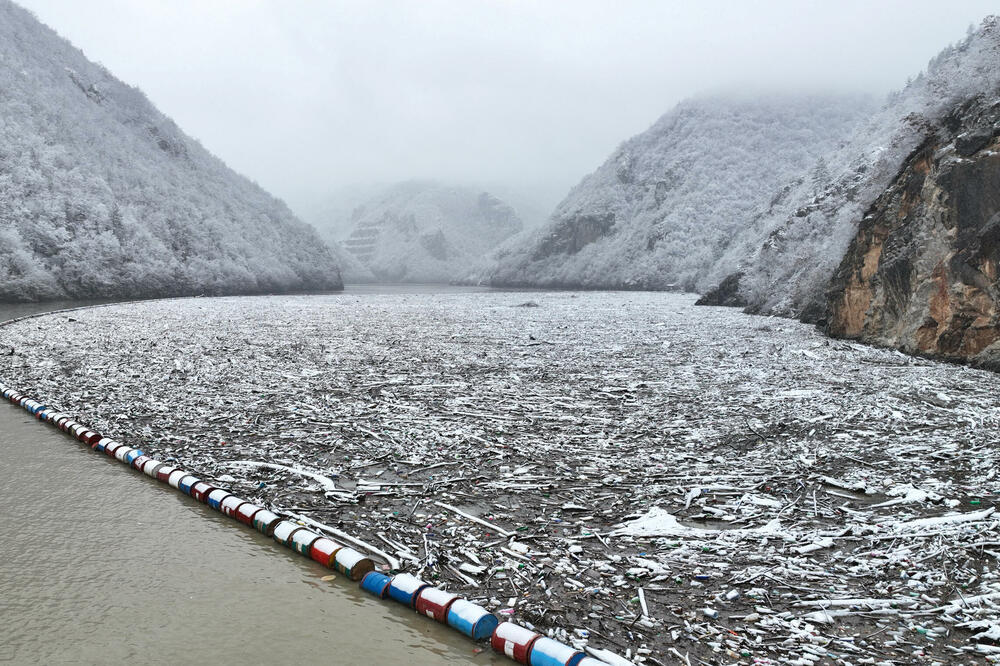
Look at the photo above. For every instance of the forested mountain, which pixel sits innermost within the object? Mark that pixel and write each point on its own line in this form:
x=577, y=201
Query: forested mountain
x=661, y=210
x=101, y=195
x=421, y=231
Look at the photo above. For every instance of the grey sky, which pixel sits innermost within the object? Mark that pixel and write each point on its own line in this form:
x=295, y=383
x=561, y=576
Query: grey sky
x=304, y=96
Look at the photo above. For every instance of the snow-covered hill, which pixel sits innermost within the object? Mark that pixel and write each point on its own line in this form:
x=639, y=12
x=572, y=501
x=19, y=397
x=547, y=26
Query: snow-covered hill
x=425, y=232
x=101, y=195
x=661, y=210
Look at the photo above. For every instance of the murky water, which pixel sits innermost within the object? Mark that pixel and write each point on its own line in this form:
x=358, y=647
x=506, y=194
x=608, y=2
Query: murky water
x=100, y=564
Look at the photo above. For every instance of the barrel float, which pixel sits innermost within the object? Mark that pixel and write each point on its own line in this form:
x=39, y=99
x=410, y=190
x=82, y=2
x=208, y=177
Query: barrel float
x=352, y=564
x=102, y=443
x=83, y=434
x=216, y=497
x=246, y=512
x=376, y=583
x=265, y=521
x=434, y=603
x=405, y=588
x=110, y=448
x=138, y=462
x=324, y=550
x=186, y=482
x=149, y=469
x=174, y=480
x=302, y=541
x=230, y=504
x=474, y=621
x=200, y=491
x=547, y=652
x=93, y=438
x=132, y=455
x=122, y=451
x=514, y=641
x=164, y=471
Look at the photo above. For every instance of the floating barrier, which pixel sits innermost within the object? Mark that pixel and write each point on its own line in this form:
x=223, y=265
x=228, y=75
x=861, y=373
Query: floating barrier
x=324, y=551
x=376, y=583
x=405, y=588
x=352, y=564
x=434, y=603
x=474, y=621
x=547, y=652
x=514, y=641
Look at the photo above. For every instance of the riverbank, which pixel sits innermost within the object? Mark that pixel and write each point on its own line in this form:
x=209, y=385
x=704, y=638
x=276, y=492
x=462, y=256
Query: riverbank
x=776, y=473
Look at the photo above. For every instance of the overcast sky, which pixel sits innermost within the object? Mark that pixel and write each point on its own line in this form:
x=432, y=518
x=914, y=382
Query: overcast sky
x=305, y=96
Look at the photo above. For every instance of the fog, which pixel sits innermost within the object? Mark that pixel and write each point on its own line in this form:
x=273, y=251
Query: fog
x=521, y=97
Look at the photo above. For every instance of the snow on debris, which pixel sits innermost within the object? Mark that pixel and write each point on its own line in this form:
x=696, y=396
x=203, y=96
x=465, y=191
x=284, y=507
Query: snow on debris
x=624, y=470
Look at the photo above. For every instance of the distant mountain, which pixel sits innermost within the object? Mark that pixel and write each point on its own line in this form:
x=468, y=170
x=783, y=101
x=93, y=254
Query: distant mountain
x=424, y=232
x=661, y=211
x=101, y=195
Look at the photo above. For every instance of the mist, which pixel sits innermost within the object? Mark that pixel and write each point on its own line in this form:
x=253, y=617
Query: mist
x=525, y=98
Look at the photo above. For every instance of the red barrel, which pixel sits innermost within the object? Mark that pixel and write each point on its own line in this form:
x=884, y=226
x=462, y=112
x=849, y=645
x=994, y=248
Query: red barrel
x=246, y=511
x=200, y=491
x=434, y=603
x=231, y=504
x=163, y=473
x=93, y=438
x=111, y=447
x=140, y=461
x=514, y=641
x=324, y=550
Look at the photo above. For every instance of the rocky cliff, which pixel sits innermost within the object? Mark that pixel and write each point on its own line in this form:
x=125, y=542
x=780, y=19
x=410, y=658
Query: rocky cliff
x=921, y=273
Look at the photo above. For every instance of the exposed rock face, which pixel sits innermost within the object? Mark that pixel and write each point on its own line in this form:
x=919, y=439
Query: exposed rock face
x=921, y=272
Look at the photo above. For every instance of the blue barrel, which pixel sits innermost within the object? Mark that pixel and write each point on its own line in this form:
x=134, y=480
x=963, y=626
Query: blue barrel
x=132, y=455
x=376, y=583
x=404, y=588
x=103, y=442
x=474, y=621
x=185, y=484
x=547, y=652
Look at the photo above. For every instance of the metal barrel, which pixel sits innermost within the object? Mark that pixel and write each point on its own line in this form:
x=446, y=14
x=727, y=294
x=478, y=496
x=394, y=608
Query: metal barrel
x=514, y=641
x=434, y=603
x=376, y=583
x=283, y=531
x=139, y=461
x=149, y=469
x=264, y=521
x=102, y=443
x=230, y=504
x=92, y=439
x=245, y=513
x=547, y=652
x=216, y=497
x=131, y=456
x=324, y=550
x=164, y=471
x=405, y=588
x=186, y=483
x=200, y=491
x=302, y=541
x=122, y=451
x=174, y=480
x=474, y=621
x=352, y=564
x=111, y=448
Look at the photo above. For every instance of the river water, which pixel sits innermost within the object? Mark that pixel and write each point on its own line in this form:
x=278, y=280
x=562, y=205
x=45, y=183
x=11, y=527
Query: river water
x=100, y=564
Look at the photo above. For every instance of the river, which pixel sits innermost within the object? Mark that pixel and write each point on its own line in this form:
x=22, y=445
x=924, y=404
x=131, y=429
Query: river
x=99, y=564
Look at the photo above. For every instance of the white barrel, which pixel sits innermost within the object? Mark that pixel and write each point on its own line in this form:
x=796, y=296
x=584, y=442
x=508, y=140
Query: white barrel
x=123, y=451
x=216, y=497
x=149, y=469
x=283, y=530
x=175, y=477
x=230, y=504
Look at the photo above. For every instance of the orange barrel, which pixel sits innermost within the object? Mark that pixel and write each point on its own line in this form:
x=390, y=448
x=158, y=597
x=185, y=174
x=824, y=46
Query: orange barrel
x=434, y=603
x=186, y=482
x=474, y=621
x=230, y=504
x=405, y=588
x=138, y=462
x=216, y=496
x=174, y=480
x=324, y=550
x=246, y=511
x=164, y=471
x=121, y=452
x=302, y=541
x=514, y=641
x=283, y=531
x=131, y=456
x=376, y=583
x=265, y=521
x=149, y=469
x=352, y=564
x=200, y=491
x=547, y=652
